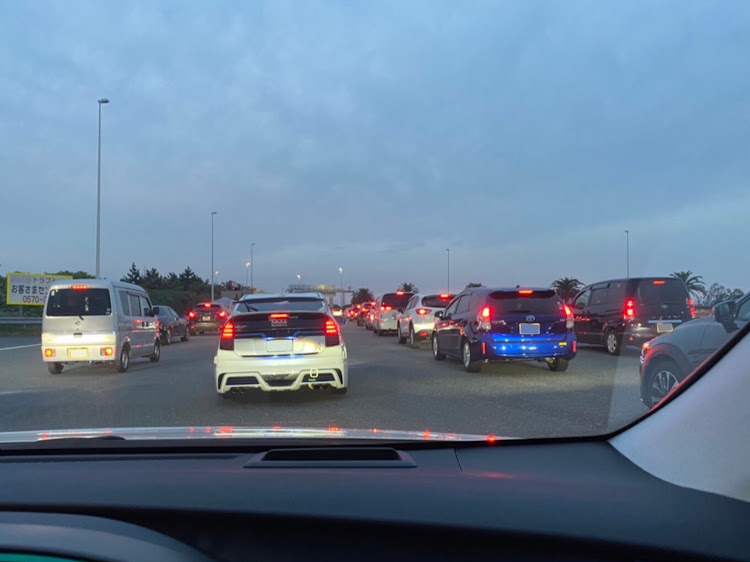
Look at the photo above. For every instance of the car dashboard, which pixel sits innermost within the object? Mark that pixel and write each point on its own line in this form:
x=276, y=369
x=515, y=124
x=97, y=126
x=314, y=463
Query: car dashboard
x=509, y=501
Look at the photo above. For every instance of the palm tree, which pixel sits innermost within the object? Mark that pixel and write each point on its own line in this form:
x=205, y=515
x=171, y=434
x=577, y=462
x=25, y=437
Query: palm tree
x=408, y=288
x=694, y=283
x=566, y=287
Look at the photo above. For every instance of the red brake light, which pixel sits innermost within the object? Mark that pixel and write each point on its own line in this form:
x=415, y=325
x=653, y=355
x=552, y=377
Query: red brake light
x=691, y=305
x=525, y=292
x=659, y=282
x=569, y=322
x=221, y=314
x=206, y=305
x=228, y=332
x=568, y=312
x=486, y=312
x=191, y=314
x=331, y=329
x=279, y=315
x=399, y=293
x=79, y=287
x=423, y=311
x=629, y=309
x=445, y=296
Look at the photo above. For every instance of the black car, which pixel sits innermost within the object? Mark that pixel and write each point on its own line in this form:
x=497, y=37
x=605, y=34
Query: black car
x=484, y=324
x=171, y=324
x=668, y=359
x=630, y=311
x=207, y=317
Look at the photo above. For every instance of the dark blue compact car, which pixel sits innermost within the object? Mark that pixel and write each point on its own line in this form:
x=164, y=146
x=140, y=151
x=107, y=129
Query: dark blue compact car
x=484, y=324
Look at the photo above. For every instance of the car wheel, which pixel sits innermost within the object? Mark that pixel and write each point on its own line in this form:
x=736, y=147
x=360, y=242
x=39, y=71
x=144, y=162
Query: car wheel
x=123, y=361
x=186, y=337
x=436, y=354
x=613, y=343
x=156, y=355
x=470, y=365
x=340, y=390
x=665, y=375
x=413, y=343
x=225, y=395
x=558, y=364
x=55, y=368
x=201, y=332
x=168, y=337
x=401, y=339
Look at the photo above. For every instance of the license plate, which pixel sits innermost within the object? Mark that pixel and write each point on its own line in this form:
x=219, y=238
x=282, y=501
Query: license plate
x=206, y=318
x=663, y=327
x=77, y=353
x=276, y=346
x=529, y=329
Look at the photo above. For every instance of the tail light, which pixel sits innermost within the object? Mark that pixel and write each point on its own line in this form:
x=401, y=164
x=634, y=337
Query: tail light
x=227, y=337
x=206, y=305
x=525, y=292
x=691, y=306
x=483, y=319
x=49, y=352
x=79, y=287
x=569, y=322
x=222, y=314
x=332, y=333
x=629, y=312
x=191, y=314
x=423, y=311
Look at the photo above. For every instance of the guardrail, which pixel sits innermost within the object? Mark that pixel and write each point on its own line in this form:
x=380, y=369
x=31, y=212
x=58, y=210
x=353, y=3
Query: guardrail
x=20, y=320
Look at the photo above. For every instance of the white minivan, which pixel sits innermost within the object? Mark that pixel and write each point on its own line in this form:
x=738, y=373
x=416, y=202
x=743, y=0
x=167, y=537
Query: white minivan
x=95, y=320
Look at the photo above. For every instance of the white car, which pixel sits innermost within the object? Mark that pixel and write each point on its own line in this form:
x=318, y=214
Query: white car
x=385, y=312
x=281, y=343
x=417, y=319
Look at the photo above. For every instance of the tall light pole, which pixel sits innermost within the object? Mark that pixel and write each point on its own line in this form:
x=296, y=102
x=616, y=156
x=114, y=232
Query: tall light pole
x=627, y=253
x=449, y=270
x=341, y=276
x=299, y=278
x=99, y=192
x=252, y=267
x=212, y=255
x=247, y=265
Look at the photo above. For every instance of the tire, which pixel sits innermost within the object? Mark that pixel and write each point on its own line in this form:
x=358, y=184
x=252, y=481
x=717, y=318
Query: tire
x=201, y=332
x=662, y=378
x=558, y=364
x=123, y=361
x=340, y=390
x=186, y=337
x=470, y=365
x=401, y=339
x=156, y=355
x=613, y=343
x=55, y=368
x=381, y=333
x=168, y=337
x=413, y=343
x=436, y=354
x=225, y=395
x=375, y=331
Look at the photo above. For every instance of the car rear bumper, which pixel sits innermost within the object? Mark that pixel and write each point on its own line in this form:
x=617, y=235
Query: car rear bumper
x=638, y=334
x=206, y=326
x=527, y=348
x=67, y=348
x=280, y=373
x=387, y=324
x=423, y=330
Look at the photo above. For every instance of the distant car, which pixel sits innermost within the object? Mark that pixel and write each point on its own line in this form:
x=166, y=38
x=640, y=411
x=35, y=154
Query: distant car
x=281, y=343
x=363, y=313
x=484, y=324
x=669, y=358
x=370, y=316
x=385, y=317
x=171, y=324
x=630, y=311
x=207, y=317
x=417, y=319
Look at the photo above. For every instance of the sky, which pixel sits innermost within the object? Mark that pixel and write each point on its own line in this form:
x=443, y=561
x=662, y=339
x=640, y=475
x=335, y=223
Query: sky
x=525, y=137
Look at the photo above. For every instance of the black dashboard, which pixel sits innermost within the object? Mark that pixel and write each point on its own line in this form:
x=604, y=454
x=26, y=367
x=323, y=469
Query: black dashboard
x=511, y=501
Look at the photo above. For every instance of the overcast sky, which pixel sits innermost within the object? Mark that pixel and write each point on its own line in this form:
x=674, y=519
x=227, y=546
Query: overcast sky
x=524, y=136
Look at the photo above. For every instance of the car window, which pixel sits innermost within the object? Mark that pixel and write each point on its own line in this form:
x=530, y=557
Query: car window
x=452, y=307
x=743, y=313
x=75, y=302
x=463, y=305
x=583, y=299
x=600, y=296
x=511, y=302
x=435, y=301
x=145, y=305
x=658, y=291
x=135, y=305
x=124, y=302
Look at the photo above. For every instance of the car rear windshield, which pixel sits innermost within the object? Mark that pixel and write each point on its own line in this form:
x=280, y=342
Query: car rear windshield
x=265, y=305
x=79, y=302
x=657, y=291
x=511, y=302
x=203, y=306
x=395, y=301
x=436, y=301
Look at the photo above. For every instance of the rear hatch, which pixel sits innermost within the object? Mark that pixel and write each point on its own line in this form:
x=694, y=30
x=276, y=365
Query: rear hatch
x=526, y=314
x=208, y=312
x=258, y=334
x=394, y=301
x=77, y=311
x=431, y=304
x=660, y=299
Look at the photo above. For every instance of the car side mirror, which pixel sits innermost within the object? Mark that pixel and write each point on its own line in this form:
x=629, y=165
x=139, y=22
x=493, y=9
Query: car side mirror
x=724, y=312
x=155, y=310
x=578, y=305
x=439, y=314
x=149, y=312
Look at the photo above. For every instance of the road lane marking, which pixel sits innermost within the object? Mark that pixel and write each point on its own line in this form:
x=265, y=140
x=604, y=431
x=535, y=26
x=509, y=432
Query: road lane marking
x=20, y=346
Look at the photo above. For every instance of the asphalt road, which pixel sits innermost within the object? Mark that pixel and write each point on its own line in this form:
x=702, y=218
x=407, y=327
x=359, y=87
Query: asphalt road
x=391, y=386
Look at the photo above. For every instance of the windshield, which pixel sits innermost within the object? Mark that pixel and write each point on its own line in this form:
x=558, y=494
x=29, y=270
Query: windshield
x=257, y=168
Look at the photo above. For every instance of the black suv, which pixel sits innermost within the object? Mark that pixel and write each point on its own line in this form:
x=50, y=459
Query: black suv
x=668, y=359
x=483, y=324
x=630, y=311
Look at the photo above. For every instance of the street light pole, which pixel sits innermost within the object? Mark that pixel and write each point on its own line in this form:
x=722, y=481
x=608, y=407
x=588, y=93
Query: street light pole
x=212, y=254
x=99, y=192
x=247, y=265
x=449, y=269
x=627, y=253
x=252, y=267
x=341, y=281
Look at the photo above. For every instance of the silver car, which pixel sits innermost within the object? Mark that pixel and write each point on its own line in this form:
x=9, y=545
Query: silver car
x=385, y=317
x=417, y=319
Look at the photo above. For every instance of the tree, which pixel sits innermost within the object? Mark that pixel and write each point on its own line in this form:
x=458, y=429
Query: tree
x=471, y=285
x=362, y=295
x=408, y=288
x=694, y=283
x=189, y=281
x=152, y=280
x=133, y=276
x=171, y=281
x=719, y=293
x=566, y=287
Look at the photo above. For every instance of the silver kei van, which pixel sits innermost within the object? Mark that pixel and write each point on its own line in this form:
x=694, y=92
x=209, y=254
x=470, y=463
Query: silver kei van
x=95, y=320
